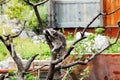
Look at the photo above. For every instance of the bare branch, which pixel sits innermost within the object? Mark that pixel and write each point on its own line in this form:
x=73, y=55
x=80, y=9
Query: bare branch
x=35, y=4
x=112, y=12
x=84, y=30
x=2, y=39
x=29, y=62
x=72, y=46
x=40, y=3
x=82, y=62
x=90, y=58
x=38, y=68
x=14, y=36
x=68, y=52
x=28, y=2
x=20, y=31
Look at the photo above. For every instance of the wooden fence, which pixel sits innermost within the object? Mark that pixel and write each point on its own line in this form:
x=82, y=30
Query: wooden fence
x=109, y=6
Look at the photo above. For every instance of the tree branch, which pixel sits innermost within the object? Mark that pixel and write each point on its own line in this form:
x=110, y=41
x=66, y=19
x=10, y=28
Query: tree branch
x=112, y=12
x=84, y=30
x=90, y=58
x=40, y=3
x=28, y=2
x=72, y=46
x=14, y=36
x=38, y=68
x=29, y=62
x=35, y=4
x=3, y=41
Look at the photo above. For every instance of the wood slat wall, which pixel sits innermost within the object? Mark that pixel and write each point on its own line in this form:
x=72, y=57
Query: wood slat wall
x=109, y=6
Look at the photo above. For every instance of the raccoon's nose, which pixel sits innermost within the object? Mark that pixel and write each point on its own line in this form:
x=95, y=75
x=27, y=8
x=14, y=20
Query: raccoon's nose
x=45, y=31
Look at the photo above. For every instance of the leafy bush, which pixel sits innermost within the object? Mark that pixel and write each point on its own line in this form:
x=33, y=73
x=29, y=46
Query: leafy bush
x=22, y=11
x=99, y=30
x=115, y=48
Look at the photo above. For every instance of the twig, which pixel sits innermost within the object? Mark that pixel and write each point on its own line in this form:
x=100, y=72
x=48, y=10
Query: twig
x=92, y=57
x=29, y=62
x=38, y=68
x=72, y=46
x=14, y=36
x=35, y=4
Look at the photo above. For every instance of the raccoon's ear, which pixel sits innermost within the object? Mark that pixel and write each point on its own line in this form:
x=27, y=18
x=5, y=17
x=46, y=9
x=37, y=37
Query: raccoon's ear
x=54, y=32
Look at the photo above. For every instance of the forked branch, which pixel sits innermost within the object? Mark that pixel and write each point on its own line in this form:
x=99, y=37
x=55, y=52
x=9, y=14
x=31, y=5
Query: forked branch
x=35, y=4
x=82, y=37
x=92, y=56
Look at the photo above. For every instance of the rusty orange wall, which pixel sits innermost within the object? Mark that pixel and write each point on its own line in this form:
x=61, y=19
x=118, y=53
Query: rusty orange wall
x=102, y=67
x=109, y=6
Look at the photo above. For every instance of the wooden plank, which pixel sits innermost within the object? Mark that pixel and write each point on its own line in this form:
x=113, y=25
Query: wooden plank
x=109, y=6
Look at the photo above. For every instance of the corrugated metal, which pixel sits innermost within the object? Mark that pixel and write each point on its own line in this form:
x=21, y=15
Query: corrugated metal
x=109, y=6
x=75, y=13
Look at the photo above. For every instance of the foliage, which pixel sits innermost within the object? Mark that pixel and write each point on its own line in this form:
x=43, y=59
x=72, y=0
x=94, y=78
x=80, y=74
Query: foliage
x=1, y=1
x=21, y=11
x=99, y=30
x=29, y=49
x=70, y=36
x=26, y=48
x=114, y=49
x=85, y=73
x=30, y=77
x=3, y=52
x=85, y=46
x=16, y=10
x=27, y=77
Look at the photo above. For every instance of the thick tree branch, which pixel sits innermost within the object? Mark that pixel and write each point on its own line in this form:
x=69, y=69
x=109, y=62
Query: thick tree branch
x=3, y=40
x=72, y=46
x=8, y=42
x=13, y=54
x=28, y=2
x=91, y=57
x=38, y=16
x=29, y=62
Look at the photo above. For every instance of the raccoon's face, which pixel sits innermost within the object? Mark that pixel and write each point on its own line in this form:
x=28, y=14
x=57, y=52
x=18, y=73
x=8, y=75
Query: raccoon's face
x=50, y=34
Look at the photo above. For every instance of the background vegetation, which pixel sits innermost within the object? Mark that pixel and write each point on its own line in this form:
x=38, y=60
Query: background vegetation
x=18, y=9
x=26, y=48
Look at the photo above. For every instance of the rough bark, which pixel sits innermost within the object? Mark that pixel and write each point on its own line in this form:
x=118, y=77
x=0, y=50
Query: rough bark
x=38, y=18
x=34, y=5
x=8, y=42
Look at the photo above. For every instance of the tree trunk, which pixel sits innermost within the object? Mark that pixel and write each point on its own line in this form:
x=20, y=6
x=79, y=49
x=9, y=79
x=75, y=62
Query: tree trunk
x=20, y=76
x=51, y=71
x=38, y=18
